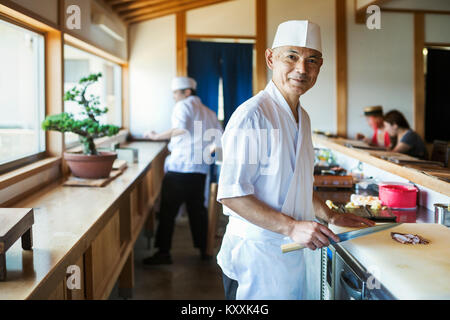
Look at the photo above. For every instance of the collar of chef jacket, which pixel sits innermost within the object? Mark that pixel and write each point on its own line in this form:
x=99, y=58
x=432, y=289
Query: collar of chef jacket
x=278, y=98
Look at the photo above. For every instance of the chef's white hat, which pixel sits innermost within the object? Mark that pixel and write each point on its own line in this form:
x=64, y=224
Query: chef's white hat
x=298, y=33
x=180, y=83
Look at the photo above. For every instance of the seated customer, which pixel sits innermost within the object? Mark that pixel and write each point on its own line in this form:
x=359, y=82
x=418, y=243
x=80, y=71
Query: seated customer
x=374, y=117
x=408, y=141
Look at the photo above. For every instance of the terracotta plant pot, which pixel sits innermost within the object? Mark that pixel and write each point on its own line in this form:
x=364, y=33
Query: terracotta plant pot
x=90, y=167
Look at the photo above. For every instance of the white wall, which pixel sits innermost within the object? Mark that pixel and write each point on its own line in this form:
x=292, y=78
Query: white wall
x=380, y=62
x=380, y=67
x=437, y=28
x=228, y=18
x=320, y=101
x=152, y=67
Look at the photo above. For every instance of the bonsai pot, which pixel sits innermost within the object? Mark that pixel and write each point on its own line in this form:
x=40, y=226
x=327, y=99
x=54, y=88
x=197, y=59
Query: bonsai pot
x=90, y=166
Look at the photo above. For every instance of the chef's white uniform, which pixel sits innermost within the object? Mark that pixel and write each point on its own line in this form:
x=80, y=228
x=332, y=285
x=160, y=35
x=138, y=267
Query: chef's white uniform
x=281, y=177
x=187, y=149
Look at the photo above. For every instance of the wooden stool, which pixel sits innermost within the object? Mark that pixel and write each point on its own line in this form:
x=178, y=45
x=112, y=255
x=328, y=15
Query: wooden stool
x=14, y=223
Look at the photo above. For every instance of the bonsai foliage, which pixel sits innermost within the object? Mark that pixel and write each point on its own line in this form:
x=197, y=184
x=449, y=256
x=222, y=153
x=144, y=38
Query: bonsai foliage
x=88, y=128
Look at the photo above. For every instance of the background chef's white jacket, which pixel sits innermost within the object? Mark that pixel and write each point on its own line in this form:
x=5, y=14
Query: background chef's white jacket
x=187, y=149
x=250, y=254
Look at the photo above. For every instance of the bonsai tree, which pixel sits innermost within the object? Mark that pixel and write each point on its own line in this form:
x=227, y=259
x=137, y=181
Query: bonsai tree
x=88, y=128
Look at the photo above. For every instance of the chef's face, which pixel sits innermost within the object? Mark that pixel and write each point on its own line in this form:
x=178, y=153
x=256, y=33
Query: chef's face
x=295, y=69
x=179, y=95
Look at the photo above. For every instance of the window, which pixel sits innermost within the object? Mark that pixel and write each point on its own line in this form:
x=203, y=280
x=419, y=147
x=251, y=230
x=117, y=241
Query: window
x=79, y=64
x=22, y=93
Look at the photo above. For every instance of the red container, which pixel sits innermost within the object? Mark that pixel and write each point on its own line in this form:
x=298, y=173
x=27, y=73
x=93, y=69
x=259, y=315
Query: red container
x=401, y=196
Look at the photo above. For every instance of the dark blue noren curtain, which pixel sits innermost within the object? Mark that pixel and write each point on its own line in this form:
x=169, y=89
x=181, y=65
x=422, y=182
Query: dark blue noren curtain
x=204, y=67
x=208, y=61
x=237, y=75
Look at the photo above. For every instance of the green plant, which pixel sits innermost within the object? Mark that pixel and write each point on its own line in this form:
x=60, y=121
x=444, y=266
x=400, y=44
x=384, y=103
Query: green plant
x=88, y=128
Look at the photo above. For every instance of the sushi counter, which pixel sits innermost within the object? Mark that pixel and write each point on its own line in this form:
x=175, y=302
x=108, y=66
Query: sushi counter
x=377, y=266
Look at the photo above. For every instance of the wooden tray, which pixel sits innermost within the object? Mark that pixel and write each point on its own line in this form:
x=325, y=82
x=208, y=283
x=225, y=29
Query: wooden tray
x=119, y=167
x=14, y=224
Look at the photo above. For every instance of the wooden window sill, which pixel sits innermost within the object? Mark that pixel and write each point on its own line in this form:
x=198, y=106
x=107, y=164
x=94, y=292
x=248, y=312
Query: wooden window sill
x=15, y=176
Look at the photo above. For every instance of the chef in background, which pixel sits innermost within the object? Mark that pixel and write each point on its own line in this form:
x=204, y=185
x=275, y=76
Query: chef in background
x=186, y=168
x=380, y=137
x=266, y=180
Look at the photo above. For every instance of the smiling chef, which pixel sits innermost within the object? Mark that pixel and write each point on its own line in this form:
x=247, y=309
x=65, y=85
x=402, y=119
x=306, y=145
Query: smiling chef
x=266, y=180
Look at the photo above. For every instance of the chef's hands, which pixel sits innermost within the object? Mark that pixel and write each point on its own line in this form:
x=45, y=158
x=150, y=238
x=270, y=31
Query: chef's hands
x=312, y=235
x=350, y=220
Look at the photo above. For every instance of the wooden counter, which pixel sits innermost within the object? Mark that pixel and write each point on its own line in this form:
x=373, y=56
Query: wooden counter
x=93, y=229
x=374, y=158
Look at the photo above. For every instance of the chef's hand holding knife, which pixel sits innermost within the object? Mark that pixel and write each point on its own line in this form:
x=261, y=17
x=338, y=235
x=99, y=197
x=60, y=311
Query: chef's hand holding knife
x=314, y=235
x=311, y=234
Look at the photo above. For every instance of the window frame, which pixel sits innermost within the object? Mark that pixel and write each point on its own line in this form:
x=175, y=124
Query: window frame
x=44, y=29
x=51, y=161
x=26, y=160
x=79, y=44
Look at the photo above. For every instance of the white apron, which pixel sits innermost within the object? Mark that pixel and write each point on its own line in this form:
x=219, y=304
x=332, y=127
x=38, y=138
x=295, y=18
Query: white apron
x=257, y=263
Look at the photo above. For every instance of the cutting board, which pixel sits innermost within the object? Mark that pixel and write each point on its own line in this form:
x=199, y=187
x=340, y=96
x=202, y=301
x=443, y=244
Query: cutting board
x=407, y=271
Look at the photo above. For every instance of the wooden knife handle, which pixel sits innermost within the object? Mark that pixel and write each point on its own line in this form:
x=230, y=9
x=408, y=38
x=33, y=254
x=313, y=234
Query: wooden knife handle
x=291, y=247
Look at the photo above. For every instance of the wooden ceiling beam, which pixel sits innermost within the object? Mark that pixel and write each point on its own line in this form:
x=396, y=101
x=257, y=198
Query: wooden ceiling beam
x=136, y=5
x=174, y=9
x=118, y=2
x=154, y=8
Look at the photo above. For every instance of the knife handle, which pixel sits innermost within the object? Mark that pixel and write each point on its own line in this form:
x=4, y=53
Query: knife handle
x=291, y=247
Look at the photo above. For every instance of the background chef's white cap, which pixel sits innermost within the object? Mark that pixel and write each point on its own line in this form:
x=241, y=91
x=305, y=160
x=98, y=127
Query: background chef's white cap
x=180, y=83
x=298, y=33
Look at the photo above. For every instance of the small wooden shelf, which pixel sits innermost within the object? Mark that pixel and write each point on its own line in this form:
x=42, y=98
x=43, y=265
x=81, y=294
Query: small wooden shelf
x=14, y=224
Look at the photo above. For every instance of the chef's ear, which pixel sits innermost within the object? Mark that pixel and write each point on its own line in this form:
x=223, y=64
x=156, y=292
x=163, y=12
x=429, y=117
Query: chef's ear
x=269, y=58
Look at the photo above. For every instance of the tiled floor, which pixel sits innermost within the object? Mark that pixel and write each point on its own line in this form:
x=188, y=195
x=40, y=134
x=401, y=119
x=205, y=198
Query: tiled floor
x=187, y=278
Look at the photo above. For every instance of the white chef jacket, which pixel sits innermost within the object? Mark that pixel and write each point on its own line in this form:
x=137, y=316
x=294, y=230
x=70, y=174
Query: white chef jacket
x=190, y=151
x=266, y=153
